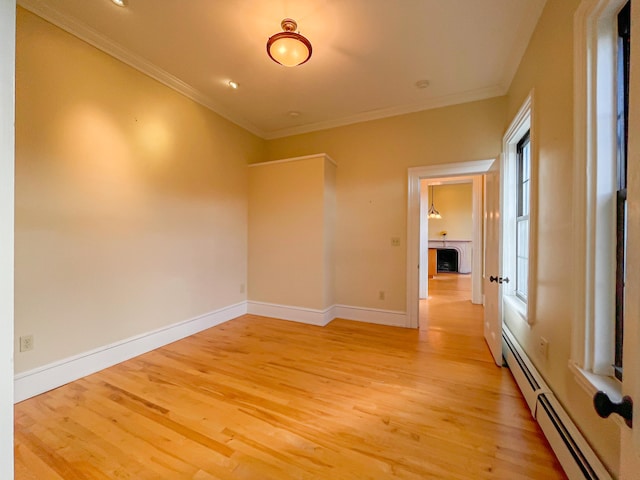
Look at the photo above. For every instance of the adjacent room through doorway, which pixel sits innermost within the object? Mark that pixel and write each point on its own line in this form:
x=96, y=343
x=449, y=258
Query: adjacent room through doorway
x=446, y=241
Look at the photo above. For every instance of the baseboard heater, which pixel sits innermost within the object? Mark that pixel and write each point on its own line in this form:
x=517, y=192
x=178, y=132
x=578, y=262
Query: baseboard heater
x=577, y=458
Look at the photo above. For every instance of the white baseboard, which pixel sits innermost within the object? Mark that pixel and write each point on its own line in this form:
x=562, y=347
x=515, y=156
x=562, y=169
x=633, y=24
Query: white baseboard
x=312, y=316
x=287, y=312
x=56, y=374
x=392, y=318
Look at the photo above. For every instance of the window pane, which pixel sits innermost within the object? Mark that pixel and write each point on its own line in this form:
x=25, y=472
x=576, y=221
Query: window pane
x=523, y=186
x=522, y=276
x=525, y=198
x=522, y=238
x=526, y=166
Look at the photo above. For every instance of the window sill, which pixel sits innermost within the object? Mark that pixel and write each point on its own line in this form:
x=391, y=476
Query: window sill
x=516, y=305
x=592, y=383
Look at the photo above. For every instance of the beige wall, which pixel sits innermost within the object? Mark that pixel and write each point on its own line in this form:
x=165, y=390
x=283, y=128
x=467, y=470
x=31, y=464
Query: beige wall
x=547, y=67
x=131, y=200
x=455, y=204
x=290, y=232
x=371, y=186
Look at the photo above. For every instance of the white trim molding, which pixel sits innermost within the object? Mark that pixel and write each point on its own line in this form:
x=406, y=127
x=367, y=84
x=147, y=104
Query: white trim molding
x=7, y=209
x=295, y=159
x=477, y=245
x=391, y=318
x=415, y=174
x=293, y=313
x=594, y=186
x=311, y=316
x=523, y=121
x=592, y=383
x=56, y=374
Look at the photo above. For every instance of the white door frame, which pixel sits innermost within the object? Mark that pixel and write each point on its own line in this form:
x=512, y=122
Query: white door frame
x=7, y=179
x=415, y=174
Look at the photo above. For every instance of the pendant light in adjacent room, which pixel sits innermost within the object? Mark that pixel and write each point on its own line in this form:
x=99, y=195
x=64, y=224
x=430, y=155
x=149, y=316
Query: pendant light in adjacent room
x=433, y=213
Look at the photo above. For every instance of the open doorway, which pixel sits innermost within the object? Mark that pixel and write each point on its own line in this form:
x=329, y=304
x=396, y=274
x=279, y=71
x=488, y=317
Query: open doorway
x=446, y=253
x=416, y=236
x=447, y=233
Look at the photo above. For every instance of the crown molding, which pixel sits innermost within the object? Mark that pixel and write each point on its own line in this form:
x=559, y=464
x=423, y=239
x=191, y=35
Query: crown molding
x=439, y=102
x=68, y=23
x=76, y=28
x=295, y=159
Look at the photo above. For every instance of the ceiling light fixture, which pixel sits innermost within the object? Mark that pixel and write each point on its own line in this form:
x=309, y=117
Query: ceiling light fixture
x=433, y=213
x=288, y=47
x=233, y=84
x=121, y=3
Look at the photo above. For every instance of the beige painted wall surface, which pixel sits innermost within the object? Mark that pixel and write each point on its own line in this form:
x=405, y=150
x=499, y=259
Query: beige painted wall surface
x=287, y=233
x=454, y=202
x=547, y=67
x=371, y=186
x=130, y=200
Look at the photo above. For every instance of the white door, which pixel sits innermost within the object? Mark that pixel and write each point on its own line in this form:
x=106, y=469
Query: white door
x=493, y=263
x=630, y=439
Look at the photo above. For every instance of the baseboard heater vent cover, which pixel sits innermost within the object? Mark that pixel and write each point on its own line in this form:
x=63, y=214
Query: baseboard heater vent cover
x=576, y=456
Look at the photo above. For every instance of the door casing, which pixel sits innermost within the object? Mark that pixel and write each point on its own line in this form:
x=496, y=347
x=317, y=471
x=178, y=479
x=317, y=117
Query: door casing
x=415, y=174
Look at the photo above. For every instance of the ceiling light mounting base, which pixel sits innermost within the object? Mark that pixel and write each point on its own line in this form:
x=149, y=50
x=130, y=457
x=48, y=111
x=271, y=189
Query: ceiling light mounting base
x=289, y=25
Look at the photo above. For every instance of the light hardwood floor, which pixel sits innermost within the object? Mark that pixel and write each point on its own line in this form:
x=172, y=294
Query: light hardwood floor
x=258, y=398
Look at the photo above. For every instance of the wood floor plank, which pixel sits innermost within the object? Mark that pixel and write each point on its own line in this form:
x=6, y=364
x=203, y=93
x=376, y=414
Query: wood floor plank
x=259, y=398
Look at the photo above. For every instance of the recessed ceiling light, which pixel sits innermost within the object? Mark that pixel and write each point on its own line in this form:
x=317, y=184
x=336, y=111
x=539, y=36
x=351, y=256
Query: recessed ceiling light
x=121, y=3
x=421, y=84
x=294, y=114
x=233, y=84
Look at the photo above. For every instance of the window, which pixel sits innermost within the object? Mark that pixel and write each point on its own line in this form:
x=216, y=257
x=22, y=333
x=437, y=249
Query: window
x=523, y=177
x=518, y=210
x=601, y=79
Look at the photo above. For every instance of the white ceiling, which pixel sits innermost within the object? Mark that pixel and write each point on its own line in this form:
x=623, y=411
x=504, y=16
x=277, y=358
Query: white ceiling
x=367, y=54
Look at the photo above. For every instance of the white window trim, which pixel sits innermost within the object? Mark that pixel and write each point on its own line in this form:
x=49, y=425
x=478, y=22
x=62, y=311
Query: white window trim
x=523, y=121
x=593, y=342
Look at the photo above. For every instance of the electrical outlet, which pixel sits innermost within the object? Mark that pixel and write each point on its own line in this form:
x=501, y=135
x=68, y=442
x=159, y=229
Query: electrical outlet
x=395, y=241
x=381, y=295
x=543, y=348
x=26, y=343
x=242, y=288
